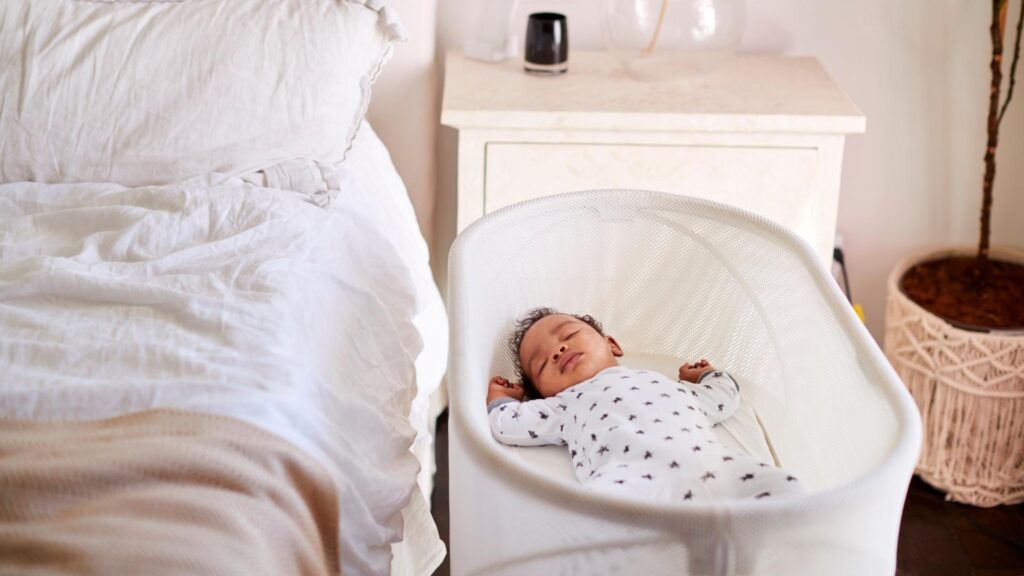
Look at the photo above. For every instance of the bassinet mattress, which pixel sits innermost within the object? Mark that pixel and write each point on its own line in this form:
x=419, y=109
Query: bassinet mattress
x=742, y=431
x=218, y=297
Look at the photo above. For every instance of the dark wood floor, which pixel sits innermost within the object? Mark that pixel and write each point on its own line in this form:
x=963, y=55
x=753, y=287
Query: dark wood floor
x=937, y=538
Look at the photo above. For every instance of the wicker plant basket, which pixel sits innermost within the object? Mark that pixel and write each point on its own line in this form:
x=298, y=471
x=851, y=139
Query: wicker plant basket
x=969, y=387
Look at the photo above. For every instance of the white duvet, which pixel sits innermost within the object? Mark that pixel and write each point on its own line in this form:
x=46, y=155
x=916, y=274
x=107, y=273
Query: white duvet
x=218, y=296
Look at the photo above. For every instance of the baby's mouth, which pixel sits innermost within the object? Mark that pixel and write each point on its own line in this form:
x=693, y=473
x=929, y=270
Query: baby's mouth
x=570, y=359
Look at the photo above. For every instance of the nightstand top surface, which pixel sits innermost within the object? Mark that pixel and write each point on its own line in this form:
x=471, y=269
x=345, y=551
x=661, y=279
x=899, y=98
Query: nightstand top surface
x=744, y=93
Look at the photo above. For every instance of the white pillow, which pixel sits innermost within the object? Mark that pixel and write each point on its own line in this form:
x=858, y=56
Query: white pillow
x=154, y=92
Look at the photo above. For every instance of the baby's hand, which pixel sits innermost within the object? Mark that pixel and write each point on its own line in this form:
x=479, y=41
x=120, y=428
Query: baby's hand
x=692, y=372
x=502, y=388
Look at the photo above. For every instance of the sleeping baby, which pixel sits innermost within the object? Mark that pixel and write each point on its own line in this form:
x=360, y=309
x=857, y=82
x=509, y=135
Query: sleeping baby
x=634, y=432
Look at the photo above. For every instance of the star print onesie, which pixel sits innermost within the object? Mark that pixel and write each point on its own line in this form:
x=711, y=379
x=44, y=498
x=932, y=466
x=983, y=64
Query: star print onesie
x=639, y=433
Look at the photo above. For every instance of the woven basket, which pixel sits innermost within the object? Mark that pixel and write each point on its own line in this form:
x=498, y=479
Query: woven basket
x=969, y=387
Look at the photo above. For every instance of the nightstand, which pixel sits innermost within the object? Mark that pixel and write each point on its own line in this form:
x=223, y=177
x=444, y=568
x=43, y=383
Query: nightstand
x=761, y=132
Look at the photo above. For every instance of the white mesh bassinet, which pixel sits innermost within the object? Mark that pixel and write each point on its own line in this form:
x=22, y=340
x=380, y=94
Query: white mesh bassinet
x=686, y=278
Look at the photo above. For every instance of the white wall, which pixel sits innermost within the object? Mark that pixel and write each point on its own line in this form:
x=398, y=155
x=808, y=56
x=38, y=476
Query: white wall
x=919, y=71
x=403, y=109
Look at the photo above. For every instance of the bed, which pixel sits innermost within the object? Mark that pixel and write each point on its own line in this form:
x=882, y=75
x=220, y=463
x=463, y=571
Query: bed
x=219, y=331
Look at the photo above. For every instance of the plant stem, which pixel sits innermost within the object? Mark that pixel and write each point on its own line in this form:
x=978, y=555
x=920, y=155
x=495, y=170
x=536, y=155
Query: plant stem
x=1013, y=65
x=996, y=31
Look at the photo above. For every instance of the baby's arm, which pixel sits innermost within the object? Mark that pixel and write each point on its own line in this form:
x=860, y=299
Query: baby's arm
x=716, y=391
x=532, y=423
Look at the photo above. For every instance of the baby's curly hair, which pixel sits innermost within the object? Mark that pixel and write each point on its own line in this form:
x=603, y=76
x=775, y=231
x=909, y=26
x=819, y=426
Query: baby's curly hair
x=522, y=325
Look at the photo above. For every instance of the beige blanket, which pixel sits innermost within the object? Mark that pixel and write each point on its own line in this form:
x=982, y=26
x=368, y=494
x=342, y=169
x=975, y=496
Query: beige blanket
x=162, y=492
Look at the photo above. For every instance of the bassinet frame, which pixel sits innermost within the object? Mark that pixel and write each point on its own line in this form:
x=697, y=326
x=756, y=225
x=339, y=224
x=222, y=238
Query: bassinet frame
x=509, y=518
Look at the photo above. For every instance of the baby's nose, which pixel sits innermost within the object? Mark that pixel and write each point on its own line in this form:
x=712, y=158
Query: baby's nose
x=561, y=349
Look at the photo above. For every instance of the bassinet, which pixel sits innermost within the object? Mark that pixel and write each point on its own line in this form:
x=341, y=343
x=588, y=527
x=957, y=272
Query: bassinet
x=679, y=277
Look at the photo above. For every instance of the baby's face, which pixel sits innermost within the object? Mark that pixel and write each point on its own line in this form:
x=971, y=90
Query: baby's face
x=559, y=351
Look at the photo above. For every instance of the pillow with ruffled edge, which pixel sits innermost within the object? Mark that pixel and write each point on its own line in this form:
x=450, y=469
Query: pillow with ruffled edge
x=143, y=93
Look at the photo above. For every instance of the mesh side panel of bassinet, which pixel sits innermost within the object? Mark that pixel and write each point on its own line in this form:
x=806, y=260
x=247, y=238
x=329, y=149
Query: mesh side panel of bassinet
x=691, y=281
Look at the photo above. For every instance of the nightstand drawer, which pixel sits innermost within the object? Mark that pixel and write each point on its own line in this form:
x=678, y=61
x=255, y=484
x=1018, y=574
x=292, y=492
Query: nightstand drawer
x=774, y=182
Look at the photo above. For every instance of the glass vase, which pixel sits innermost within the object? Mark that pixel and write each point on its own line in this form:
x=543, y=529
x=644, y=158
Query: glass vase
x=668, y=39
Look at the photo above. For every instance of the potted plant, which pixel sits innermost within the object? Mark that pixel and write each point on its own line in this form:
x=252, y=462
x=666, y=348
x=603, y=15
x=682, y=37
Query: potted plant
x=955, y=334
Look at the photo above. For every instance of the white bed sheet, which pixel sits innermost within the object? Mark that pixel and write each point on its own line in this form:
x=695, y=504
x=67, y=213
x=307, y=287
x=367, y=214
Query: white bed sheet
x=369, y=174
x=218, y=296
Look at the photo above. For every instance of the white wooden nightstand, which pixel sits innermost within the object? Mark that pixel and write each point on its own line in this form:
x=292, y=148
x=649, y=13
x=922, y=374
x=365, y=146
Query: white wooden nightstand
x=761, y=132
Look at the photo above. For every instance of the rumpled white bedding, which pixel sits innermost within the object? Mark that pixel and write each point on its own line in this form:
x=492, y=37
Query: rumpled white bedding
x=218, y=296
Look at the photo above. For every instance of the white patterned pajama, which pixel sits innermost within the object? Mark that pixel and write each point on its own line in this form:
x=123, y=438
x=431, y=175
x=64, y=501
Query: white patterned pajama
x=638, y=433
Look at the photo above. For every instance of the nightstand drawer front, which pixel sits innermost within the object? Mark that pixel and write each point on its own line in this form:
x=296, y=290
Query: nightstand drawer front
x=774, y=182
